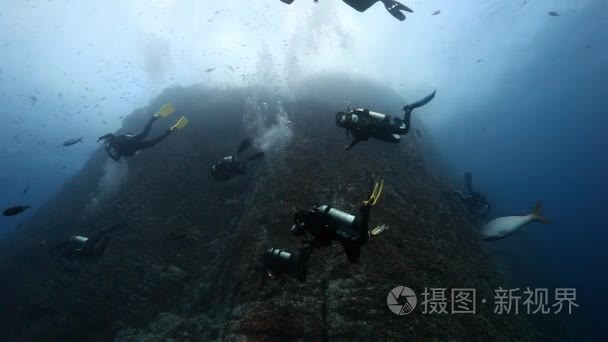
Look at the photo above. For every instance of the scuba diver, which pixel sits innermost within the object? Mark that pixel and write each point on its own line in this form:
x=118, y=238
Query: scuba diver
x=392, y=6
x=127, y=144
x=321, y=226
x=363, y=123
x=227, y=166
x=476, y=203
x=80, y=247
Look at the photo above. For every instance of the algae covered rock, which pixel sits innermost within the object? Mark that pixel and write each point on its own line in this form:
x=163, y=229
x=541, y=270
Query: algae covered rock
x=187, y=267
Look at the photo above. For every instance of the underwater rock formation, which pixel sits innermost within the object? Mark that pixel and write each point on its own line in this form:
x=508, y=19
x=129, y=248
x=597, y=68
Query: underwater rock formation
x=186, y=267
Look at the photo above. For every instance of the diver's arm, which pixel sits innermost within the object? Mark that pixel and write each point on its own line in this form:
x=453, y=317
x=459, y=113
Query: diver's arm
x=487, y=211
x=61, y=250
x=352, y=144
x=104, y=137
x=460, y=195
x=113, y=153
x=358, y=138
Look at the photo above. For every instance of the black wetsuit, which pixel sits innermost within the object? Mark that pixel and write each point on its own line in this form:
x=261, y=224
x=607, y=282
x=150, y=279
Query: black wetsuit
x=79, y=247
x=364, y=124
x=226, y=167
x=387, y=129
x=126, y=145
x=323, y=225
x=326, y=225
x=392, y=6
x=474, y=201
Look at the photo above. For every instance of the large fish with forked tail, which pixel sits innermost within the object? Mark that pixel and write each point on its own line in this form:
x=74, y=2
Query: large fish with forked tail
x=502, y=227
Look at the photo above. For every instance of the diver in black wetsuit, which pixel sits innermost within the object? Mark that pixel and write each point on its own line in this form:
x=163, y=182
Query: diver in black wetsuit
x=80, y=247
x=230, y=165
x=322, y=225
x=392, y=6
x=127, y=144
x=474, y=201
x=363, y=123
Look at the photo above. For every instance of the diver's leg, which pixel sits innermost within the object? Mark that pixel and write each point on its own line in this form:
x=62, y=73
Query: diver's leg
x=243, y=145
x=407, y=117
x=146, y=144
x=116, y=227
x=98, y=249
x=364, y=223
x=468, y=180
x=146, y=130
x=92, y=241
x=353, y=251
x=241, y=168
x=393, y=136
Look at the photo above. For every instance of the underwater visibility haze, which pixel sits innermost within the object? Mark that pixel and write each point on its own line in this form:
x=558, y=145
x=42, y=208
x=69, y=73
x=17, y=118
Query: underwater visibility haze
x=298, y=170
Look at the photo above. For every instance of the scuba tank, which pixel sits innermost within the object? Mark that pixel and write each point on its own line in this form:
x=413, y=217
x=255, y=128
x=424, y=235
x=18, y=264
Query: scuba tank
x=222, y=170
x=377, y=116
x=79, y=239
x=346, y=224
x=280, y=261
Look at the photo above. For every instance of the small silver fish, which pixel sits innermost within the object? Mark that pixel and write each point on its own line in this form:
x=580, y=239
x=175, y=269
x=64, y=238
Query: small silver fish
x=72, y=141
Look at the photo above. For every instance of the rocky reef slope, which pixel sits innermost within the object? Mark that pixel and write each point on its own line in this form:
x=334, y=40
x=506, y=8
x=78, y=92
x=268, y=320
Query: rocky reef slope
x=186, y=266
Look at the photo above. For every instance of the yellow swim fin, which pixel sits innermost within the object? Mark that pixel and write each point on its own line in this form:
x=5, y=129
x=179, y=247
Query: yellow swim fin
x=166, y=110
x=376, y=231
x=376, y=192
x=181, y=123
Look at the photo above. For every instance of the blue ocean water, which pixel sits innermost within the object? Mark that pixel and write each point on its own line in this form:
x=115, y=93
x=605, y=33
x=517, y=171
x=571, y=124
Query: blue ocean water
x=544, y=139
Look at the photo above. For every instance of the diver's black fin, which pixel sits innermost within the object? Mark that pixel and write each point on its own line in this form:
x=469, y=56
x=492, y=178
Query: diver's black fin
x=468, y=179
x=245, y=144
x=256, y=156
x=421, y=102
x=395, y=8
